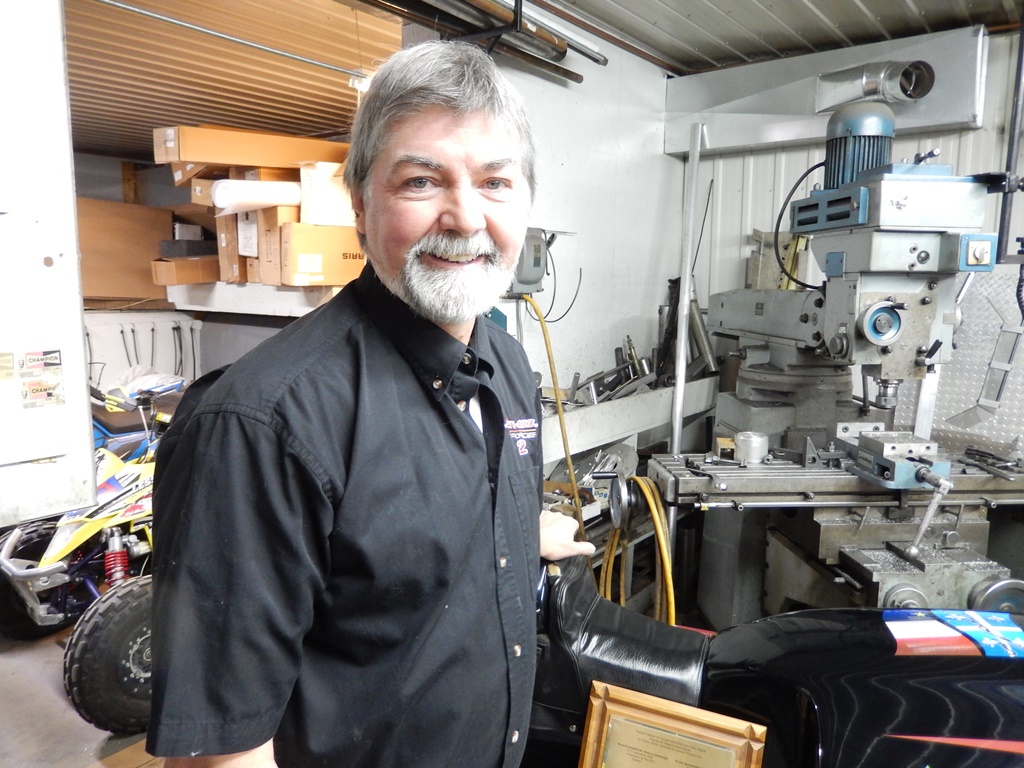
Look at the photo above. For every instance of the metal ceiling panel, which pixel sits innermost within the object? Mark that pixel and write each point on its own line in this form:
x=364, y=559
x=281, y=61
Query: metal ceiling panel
x=129, y=73
x=698, y=35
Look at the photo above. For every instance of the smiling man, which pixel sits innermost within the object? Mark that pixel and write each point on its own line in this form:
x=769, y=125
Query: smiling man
x=348, y=535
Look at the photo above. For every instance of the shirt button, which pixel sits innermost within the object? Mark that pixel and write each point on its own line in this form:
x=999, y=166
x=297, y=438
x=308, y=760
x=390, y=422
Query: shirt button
x=461, y=405
x=467, y=359
x=517, y=650
x=438, y=383
x=502, y=561
x=515, y=736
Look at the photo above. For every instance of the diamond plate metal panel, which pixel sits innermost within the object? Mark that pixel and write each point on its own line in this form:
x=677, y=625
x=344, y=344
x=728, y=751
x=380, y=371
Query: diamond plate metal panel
x=989, y=303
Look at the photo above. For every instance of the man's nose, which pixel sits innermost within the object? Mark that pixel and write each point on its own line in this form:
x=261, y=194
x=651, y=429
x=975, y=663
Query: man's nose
x=463, y=210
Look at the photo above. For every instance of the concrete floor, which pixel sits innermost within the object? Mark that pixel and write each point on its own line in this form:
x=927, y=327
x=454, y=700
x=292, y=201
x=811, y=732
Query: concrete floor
x=38, y=726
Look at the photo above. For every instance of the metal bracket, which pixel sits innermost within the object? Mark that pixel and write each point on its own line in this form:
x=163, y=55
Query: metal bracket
x=495, y=34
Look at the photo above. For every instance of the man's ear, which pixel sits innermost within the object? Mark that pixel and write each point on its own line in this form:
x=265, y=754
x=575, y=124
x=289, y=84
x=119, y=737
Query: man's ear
x=360, y=210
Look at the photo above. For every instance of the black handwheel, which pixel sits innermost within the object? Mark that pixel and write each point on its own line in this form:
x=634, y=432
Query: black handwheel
x=107, y=663
x=15, y=621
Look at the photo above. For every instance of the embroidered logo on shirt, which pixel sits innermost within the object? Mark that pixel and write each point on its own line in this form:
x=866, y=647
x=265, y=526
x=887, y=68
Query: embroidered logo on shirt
x=521, y=431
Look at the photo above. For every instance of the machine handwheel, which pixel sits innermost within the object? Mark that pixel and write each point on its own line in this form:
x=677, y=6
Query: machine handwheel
x=1002, y=595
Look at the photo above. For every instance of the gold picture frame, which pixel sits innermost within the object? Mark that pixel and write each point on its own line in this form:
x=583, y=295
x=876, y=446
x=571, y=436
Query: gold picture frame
x=626, y=728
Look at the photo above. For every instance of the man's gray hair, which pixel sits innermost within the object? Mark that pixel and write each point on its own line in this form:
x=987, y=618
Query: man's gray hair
x=458, y=77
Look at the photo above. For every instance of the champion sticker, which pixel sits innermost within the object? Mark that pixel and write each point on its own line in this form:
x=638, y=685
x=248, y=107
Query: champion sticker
x=35, y=363
x=42, y=392
x=955, y=633
x=522, y=431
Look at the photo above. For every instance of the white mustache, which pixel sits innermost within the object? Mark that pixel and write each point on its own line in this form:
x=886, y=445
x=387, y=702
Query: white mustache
x=457, y=249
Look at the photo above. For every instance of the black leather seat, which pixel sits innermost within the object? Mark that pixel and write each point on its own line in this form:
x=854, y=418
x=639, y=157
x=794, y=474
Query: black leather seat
x=583, y=637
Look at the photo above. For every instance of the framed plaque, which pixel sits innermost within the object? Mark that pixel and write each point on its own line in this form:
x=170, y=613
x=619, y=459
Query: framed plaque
x=627, y=729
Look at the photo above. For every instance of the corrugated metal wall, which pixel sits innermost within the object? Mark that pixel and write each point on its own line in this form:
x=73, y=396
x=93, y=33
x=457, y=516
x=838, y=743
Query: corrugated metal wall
x=747, y=190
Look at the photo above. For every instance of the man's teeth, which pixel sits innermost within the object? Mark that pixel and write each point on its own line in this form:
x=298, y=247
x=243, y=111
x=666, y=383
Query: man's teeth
x=461, y=258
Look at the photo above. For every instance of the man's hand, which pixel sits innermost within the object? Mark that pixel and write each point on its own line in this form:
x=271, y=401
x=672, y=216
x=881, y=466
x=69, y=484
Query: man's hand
x=558, y=537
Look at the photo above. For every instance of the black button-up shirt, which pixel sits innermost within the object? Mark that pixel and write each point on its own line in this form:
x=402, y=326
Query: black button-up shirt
x=342, y=557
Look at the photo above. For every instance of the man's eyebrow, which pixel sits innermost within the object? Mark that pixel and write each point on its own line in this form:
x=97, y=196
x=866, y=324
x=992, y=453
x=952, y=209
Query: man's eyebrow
x=426, y=162
x=497, y=165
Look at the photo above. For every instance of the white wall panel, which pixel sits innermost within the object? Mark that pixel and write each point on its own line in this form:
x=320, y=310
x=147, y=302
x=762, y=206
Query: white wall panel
x=604, y=176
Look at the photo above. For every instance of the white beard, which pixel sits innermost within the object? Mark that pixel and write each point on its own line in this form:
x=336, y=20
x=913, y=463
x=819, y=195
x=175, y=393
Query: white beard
x=452, y=296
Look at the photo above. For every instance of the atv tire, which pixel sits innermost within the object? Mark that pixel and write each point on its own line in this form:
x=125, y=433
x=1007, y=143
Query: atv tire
x=15, y=621
x=107, y=663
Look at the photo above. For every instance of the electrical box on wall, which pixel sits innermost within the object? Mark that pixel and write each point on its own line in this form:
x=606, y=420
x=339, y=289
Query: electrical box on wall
x=533, y=262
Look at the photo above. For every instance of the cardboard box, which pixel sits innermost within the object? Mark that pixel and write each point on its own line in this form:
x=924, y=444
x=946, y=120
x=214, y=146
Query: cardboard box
x=316, y=255
x=248, y=235
x=183, y=173
x=197, y=214
x=264, y=174
x=117, y=242
x=253, y=271
x=182, y=270
x=226, y=146
x=325, y=198
x=202, y=191
x=269, y=221
x=232, y=266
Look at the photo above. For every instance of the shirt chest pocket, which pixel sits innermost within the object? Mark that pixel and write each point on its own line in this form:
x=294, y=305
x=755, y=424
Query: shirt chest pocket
x=524, y=504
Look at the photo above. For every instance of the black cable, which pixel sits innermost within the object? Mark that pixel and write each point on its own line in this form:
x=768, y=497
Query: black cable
x=554, y=289
x=778, y=225
x=152, y=346
x=100, y=377
x=579, y=281
x=707, y=205
x=1020, y=293
x=124, y=342
x=88, y=353
x=179, y=362
x=135, y=345
x=192, y=336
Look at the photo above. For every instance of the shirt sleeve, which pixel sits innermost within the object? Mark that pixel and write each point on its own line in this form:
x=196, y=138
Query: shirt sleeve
x=241, y=527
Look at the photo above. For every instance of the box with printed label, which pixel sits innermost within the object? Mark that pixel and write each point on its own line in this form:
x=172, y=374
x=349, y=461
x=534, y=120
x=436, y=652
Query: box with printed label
x=318, y=255
x=269, y=222
x=232, y=266
x=248, y=235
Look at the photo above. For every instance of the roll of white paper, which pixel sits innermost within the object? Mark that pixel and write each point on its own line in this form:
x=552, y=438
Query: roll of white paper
x=240, y=195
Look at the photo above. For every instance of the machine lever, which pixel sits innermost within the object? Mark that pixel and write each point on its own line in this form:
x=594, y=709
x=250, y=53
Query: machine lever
x=942, y=487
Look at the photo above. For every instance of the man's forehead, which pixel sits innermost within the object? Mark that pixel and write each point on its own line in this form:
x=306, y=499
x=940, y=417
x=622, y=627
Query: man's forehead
x=412, y=139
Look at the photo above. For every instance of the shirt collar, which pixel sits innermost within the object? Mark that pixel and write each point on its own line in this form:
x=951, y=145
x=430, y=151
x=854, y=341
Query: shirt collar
x=433, y=354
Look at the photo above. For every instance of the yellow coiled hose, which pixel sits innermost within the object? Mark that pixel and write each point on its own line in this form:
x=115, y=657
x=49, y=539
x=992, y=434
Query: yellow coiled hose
x=665, y=597
x=665, y=602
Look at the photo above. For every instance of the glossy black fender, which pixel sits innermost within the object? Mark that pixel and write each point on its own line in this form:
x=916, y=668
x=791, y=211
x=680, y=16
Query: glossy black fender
x=839, y=682
x=843, y=688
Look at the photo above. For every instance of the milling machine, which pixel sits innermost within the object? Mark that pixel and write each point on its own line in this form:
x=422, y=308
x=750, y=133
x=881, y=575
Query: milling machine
x=824, y=501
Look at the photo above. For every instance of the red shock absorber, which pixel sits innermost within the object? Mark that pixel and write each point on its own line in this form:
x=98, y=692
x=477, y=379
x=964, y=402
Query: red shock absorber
x=115, y=560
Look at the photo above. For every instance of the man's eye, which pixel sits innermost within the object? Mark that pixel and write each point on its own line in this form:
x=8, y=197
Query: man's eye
x=419, y=183
x=496, y=184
